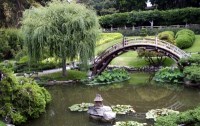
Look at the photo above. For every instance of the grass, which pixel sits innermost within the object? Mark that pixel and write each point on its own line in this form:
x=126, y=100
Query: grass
x=108, y=37
x=196, y=46
x=71, y=75
x=131, y=59
x=102, y=47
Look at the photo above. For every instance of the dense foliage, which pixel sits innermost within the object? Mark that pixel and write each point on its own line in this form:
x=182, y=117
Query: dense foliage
x=66, y=30
x=23, y=65
x=110, y=76
x=11, y=42
x=167, y=36
x=187, y=118
x=184, y=38
x=108, y=37
x=11, y=10
x=193, y=60
x=72, y=75
x=154, y=58
x=183, y=16
x=21, y=98
x=167, y=74
x=192, y=74
x=169, y=4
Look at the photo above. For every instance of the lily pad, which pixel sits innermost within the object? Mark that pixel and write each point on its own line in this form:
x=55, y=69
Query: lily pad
x=83, y=107
x=122, y=109
x=154, y=113
x=129, y=123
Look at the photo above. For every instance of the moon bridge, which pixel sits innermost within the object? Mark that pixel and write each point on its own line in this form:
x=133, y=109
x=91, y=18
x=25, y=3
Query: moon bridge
x=166, y=48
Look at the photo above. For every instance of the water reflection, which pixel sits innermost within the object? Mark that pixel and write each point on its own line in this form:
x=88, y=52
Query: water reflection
x=138, y=92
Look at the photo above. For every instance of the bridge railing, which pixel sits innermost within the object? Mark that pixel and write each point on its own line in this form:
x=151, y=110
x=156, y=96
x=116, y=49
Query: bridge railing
x=108, y=50
x=160, y=43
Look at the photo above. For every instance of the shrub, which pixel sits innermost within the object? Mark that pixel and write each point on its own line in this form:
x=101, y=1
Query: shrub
x=187, y=118
x=108, y=37
x=194, y=60
x=23, y=65
x=192, y=73
x=167, y=74
x=11, y=42
x=143, y=32
x=21, y=99
x=167, y=36
x=185, y=38
x=71, y=75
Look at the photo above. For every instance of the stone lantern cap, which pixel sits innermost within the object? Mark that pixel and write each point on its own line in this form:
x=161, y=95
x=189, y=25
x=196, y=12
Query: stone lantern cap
x=98, y=98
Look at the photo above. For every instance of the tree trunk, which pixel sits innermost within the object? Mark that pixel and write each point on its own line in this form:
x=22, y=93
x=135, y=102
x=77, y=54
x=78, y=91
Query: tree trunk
x=64, y=71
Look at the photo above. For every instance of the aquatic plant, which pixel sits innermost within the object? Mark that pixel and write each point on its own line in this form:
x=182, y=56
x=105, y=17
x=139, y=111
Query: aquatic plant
x=155, y=113
x=168, y=74
x=119, y=109
x=80, y=107
x=110, y=76
x=129, y=123
x=122, y=109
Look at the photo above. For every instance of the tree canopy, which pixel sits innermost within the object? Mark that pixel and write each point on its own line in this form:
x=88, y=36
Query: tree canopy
x=171, y=4
x=66, y=30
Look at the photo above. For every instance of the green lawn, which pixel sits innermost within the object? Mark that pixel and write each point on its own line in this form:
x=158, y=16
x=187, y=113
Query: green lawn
x=102, y=47
x=196, y=46
x=131, y=59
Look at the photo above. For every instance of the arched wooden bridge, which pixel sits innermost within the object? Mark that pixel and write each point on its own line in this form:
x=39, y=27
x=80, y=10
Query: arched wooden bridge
x=170, y=50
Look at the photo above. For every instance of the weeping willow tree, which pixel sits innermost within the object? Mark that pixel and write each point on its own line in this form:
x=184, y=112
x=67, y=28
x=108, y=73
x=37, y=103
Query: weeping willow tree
x=66, y=30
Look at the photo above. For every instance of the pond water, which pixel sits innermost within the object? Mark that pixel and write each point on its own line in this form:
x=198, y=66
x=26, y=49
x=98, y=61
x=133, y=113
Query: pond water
x=138, y=92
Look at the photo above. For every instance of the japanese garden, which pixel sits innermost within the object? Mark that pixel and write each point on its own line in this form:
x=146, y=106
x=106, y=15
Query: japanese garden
x=99, y=63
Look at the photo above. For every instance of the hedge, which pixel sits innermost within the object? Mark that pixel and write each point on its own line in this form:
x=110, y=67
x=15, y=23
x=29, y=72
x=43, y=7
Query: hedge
x=137, y=18
x=167, y=35
x=185, y=38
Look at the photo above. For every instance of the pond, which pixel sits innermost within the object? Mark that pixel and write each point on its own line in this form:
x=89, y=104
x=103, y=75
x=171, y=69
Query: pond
x=138, y=92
